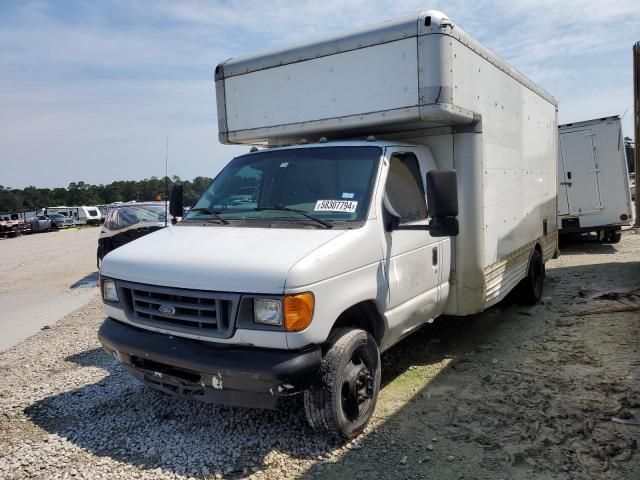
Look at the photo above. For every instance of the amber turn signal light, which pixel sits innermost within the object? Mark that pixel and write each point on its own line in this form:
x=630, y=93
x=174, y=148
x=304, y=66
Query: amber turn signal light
x=298, y=311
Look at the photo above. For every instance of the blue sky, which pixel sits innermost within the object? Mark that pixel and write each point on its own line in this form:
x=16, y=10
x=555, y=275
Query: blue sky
x=87, y=88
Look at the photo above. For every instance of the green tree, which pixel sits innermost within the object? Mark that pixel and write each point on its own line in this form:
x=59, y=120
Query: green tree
x=82, y=193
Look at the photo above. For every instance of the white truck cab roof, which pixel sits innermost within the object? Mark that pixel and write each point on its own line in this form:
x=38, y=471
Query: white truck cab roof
x=337, y=143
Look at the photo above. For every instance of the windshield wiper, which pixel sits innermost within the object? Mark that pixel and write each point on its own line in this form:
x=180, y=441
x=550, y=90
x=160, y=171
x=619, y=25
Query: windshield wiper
x=213, y=213
x=301, y=212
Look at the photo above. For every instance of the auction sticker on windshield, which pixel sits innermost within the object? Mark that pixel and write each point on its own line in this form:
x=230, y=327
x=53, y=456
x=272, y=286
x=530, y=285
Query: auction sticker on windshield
x=348, y=206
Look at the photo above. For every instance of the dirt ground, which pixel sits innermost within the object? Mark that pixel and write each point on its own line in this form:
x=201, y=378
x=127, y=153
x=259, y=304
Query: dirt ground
x=41, y=279
x=517, y=393
x=514, y=393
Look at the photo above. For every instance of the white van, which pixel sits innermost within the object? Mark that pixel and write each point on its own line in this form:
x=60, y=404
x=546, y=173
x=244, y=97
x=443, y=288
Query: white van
x=408, y=173
x=593, y=189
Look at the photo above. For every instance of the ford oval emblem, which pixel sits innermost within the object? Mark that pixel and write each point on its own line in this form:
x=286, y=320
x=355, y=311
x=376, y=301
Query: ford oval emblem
x=167, y=310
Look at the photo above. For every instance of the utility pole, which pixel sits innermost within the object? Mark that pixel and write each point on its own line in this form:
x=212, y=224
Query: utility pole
x=636, y=123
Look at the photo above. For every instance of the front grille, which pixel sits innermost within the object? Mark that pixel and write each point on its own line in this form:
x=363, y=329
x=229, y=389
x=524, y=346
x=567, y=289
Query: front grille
x=198, y=312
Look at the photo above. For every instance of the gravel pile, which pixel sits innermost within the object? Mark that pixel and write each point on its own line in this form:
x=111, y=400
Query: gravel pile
x=69, y=410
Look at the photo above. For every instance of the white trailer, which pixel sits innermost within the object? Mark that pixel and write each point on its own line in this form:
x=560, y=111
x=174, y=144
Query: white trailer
x=81, y=215
x=593, y=180
x=409, y=173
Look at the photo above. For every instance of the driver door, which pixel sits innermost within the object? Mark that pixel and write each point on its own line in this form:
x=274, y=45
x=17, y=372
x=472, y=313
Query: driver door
x=412, y=257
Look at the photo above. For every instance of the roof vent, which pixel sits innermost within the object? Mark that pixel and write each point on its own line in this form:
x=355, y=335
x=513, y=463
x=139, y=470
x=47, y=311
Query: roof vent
x=323, y=140
x=371, y=138
x=253, y=149
x=303, y=141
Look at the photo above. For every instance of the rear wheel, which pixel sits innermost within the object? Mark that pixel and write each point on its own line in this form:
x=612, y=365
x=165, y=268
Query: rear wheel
x=612, y=236
x=344, y=396
x=530, y=288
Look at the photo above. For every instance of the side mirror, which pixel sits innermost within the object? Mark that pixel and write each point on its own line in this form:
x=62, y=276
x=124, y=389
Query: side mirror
x=176, y=201
x=442, y=202
x=442, y=193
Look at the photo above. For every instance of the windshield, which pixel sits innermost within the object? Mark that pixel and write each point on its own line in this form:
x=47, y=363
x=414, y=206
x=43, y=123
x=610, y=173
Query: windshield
x=329, y=184
x=122, y=217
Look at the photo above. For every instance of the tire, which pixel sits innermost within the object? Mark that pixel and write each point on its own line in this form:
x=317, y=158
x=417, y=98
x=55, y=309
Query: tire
x=612, y=236
x=343, y=398
x=531, y=286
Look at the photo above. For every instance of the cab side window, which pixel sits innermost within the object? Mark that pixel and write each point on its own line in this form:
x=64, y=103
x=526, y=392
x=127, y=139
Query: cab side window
x=404, y=189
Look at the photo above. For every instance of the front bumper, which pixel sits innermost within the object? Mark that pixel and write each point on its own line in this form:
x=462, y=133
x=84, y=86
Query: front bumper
x=227, y=374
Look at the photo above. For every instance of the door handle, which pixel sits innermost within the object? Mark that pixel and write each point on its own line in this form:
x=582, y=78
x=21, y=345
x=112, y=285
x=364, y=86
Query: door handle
x=434, y=256
x=566, y=183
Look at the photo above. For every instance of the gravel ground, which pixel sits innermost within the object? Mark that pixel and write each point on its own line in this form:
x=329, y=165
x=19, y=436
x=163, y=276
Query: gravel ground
x=518, y=393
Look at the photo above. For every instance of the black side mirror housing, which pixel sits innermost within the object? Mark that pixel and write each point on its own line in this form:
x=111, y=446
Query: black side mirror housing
x=444, y=227
x=442, y=202
x=442, y=193
x=176, y=201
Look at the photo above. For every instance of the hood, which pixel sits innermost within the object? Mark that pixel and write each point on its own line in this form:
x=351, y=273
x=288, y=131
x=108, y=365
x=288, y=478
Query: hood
x=253, y=260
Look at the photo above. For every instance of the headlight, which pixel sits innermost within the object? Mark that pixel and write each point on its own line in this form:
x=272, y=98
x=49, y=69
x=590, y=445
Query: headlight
x=267, y=311
x=109, y=292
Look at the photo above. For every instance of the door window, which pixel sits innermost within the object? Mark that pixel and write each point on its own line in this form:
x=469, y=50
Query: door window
x=405, y=190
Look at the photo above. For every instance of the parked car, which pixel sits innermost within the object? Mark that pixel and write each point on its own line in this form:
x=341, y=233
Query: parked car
x=128, y=221
x=41, y=223
x=60, y=221
x=304, y=261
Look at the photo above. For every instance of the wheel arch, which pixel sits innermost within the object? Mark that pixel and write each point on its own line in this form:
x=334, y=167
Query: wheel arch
x=364, y=315
x=536, y=247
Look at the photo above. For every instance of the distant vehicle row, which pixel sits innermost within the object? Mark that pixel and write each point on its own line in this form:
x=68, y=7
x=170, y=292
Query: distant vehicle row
x=80, y=215
x=12, y=225
x=54, y=221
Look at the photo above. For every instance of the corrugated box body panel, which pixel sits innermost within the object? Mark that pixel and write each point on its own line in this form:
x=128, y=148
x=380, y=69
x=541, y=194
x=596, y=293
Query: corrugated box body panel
x=506, y=166
x=518, y=152
x=325, y=87
x=406, y=74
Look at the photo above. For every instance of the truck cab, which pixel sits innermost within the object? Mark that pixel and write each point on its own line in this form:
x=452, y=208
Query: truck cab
x=286, y=246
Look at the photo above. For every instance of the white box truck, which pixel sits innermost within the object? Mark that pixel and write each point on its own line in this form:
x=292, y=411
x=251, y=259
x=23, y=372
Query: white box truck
x=593, y=189
x=408, y=173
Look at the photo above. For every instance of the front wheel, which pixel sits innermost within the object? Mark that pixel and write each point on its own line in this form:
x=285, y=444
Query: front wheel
x=342, y=400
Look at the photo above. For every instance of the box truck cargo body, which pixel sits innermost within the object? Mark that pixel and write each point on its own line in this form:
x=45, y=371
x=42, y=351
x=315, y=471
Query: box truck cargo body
x=407, y=172
x=593, y=188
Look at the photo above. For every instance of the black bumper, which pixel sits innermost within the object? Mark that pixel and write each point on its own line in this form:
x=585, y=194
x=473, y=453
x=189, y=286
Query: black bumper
x=225, y=374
